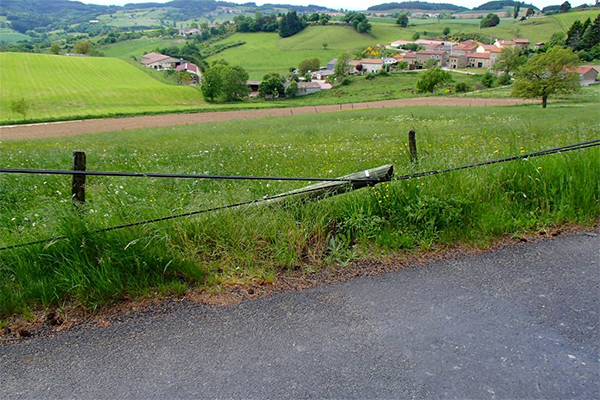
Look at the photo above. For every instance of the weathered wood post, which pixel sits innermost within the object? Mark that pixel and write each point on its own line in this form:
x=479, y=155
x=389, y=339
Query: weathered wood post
x=412, y=146
x=78, y=185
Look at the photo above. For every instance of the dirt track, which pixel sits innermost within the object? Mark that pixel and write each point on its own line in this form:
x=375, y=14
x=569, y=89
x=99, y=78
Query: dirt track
x=70, y=128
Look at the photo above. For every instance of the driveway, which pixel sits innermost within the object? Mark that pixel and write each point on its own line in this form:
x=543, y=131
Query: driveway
x=519, y=322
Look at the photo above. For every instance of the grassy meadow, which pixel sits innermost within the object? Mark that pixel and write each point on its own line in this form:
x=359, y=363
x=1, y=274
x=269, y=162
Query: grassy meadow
x=255, y=244
x=60, y=87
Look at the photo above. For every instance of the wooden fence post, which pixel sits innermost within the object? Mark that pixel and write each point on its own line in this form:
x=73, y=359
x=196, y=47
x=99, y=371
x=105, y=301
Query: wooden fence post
x=412, y=146
x=78, y=185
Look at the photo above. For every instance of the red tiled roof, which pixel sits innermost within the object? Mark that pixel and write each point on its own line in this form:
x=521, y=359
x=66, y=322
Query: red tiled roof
x=431, y=52
x=483, y=56
x=371, y=61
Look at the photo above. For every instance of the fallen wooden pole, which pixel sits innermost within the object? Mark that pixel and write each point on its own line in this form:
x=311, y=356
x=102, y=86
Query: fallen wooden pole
x=357, y=180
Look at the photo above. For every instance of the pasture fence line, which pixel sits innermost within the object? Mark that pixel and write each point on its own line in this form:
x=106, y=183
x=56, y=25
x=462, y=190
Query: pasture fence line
x=79, y=171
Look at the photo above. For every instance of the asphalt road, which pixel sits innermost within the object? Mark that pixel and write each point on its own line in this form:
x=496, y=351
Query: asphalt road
x=520, y=322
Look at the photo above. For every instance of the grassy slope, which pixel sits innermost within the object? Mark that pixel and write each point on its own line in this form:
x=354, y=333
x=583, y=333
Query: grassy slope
x=10, y=36
x=250, y=244
x=288, y=52
x=137, y=47
x=60, y=87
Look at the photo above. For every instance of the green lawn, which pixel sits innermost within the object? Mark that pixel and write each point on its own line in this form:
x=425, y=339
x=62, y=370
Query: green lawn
x=59, y=87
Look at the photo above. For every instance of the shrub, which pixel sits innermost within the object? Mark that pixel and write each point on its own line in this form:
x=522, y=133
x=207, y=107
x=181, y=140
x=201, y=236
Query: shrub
x=462, y=87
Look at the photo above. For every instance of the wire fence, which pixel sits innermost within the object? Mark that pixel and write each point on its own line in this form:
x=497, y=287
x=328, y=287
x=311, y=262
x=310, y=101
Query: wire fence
x=366, y=181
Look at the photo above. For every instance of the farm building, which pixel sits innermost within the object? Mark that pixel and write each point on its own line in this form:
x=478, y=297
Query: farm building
x=159, y=61
x=587, y=75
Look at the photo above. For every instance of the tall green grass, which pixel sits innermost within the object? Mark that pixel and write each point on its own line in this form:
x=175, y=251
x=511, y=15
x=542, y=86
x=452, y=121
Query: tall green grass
x=255, y=243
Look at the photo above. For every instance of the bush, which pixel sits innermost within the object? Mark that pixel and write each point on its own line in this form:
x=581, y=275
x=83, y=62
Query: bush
x=488, y=79
x=346, y=81
x=462, y=87
x=504, y=79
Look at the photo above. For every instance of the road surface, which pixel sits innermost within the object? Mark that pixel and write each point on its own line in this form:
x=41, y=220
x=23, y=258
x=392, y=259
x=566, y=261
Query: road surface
x=519, y=322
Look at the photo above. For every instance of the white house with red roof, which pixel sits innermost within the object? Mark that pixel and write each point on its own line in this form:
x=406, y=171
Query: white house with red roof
x=159, y=61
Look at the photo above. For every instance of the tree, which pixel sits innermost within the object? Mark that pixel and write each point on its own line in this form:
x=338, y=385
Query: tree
x=183, y=77
x=574, y=34
x=20, y=106
x=516, y=9
x=223, y=82
x=565, y=7
x=55, y=49
x=358, y=21
x=271, y=85
x=324, y=44
x=290, y=24
x=416, y=36
x=341, y=65
x=292, y=89
x=402, y=20
x=431, y=79
x=432, y=62
x=530, y=12
x=546, y=74
x=311, y=64
x=235, y=83
x=446, y=31
x=558, y=38
x=487, y=79
x=511, y=58
x=591, y=36
x=83, y=47
x=489, y=21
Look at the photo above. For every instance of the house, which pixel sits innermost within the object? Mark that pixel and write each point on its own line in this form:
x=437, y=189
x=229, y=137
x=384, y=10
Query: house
x=538, y=45
x=464, y=48
x=189, y=32
x=371, y=65
x=425, y=55
x=411, y=59
x=159, y=61
x=321, y=75
x=503, y=43
x=305, y=88
x=478, y=60
x=457, y=61
x=522, y=43
x=389, y=61
x=587, y=75
x=192, y=69
x=331, y=64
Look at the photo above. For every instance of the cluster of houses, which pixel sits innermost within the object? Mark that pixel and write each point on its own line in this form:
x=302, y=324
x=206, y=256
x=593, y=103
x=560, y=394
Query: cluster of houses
x=453, y=55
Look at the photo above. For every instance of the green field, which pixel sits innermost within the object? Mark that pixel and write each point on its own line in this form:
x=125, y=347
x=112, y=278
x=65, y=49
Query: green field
x=255, y=244
x=137, y=47
x=59, y=87
x=10, y=36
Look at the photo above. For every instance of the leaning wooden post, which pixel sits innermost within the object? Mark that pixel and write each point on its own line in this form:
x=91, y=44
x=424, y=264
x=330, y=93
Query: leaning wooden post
x=412, y=146
x=78, y=185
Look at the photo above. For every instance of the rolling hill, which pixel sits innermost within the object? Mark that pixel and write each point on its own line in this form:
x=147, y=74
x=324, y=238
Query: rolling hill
x=60, y=87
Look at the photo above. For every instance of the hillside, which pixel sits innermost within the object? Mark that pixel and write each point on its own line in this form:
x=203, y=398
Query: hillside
x=67, y=87
x=416, y=5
